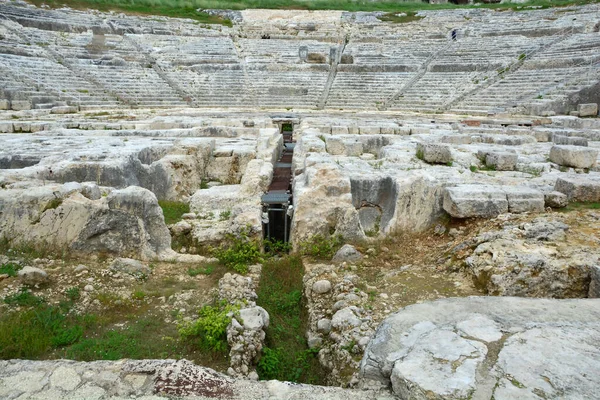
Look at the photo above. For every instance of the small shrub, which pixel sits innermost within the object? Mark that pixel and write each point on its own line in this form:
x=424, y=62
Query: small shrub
x=522, y=56
x=473, y=168
x=269, y=366
x=211, y=326
x=420, y=154
x=138, y=295
x=241, y=252
x=10, y=269
x=204, y=184
x=73, y=293
x=224, y=215
x=276, y=246
x=321, y=247
x=206, y=270
x=24, y=298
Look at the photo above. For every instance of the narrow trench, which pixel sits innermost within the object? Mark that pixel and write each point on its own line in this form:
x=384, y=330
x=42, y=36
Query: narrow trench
x=286, y=356
x=277, y=209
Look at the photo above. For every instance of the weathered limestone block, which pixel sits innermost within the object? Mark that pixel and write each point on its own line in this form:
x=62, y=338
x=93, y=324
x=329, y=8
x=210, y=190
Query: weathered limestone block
x=32, y=276
x=335, y=145
x=556, y=199
x=126, y=222
x=523, y=199
x=570, y=140
x=579, y=188
x=19, y=105
x=437, y=350
x=501, y=161
x=257, y=178
x=467, y=201
x=587, y=110
x=573, y=156
x=434, y=153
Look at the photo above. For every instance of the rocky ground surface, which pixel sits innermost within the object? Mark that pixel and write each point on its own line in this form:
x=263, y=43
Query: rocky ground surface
x=488, y=347
x=148, y=380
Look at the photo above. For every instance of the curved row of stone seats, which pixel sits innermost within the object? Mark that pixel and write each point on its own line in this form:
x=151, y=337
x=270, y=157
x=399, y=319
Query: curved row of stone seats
x=299, y=86
x=507, y=92
x=284, y=51
x=134, y=83
x=68, y=20
x=187, y=50
x=364, y=89
x=412, y=52
x=53, y=79
x=213, y=85
x=434, y=90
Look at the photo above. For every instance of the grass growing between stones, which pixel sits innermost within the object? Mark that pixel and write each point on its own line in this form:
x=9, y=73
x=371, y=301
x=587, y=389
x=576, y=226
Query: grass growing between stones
x=286, y=355
x=577, y=205
x=173, y=210
x=188, y=8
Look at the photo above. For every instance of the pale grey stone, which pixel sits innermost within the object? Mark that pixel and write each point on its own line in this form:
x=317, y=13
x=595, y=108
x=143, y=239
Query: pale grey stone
x=573, y=156
x=347, y=253
x=65, y=378
x=324, y=325
x=501, y=161
x=434, y=153
x=32, y=275
x=130, y=266
x=344, y=318
x=578, y=188
x=254, y=318
x=587, y=110
x=467, y=201
x=321, y=287
x=556, y=199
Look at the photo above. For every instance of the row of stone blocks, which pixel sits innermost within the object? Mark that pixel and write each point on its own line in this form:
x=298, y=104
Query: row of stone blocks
x=487, y=201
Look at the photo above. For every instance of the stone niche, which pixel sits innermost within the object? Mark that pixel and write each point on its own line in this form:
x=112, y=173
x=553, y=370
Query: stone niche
x=375, y=201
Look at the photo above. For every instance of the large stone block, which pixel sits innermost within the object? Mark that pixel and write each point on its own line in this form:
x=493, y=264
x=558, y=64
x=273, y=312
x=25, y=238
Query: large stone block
x=468, y=201
x=501, y=161
x=523, y=199
x=587, y=110
x=573, y=156
x=579, y=188
x=434, y=153
x=570, y=140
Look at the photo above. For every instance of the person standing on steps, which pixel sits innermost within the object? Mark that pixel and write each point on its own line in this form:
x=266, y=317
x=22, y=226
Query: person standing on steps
x=454, y=34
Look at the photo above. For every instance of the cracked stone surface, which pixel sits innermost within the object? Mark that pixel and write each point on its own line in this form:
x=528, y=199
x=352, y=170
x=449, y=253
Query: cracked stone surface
x=488, y=347
x=148, y=380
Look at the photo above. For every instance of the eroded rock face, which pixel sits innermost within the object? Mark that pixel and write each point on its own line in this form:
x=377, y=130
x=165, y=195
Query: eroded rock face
x=532, y=260
x=149, y=380
x=484, y=347
x=128, y=222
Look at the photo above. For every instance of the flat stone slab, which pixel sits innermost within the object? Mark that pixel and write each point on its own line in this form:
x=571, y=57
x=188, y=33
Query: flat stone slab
x=149, y=379
x=486, y=201
x=488, y=347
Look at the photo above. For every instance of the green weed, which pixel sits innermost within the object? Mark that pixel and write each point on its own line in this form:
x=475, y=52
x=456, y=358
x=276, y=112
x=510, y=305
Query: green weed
x=10, y=269
x=319, y=246
x=73, y=293
x=211, y=326
x=204, y=270
x=240, y=252
x=24, y=298
x=173, y=210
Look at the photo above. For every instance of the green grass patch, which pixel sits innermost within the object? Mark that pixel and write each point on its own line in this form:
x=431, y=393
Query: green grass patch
x=204, y=270
x=173, y=210
x=580, y=205
x=286, y=356
x=10, y=269
x=187, y=8
x=24, y=298
x=210, y=329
